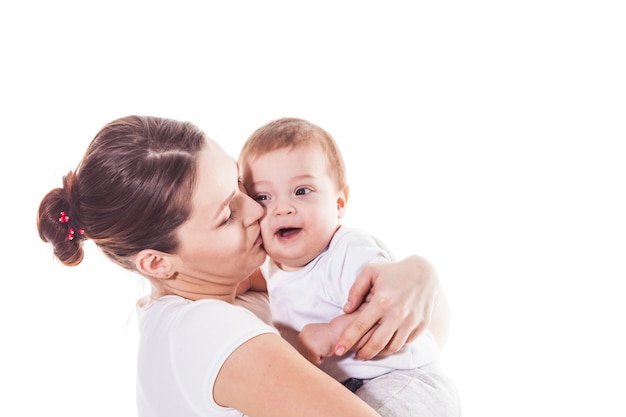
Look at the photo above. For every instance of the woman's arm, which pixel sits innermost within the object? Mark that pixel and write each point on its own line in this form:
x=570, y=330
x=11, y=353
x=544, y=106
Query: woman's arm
x=405, y=297
x=265, y=376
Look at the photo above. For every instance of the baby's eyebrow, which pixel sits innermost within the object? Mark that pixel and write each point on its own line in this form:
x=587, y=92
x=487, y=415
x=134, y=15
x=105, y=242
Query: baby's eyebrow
x=304, y=177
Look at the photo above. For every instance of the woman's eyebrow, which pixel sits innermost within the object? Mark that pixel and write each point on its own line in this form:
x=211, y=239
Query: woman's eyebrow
x=226, y=202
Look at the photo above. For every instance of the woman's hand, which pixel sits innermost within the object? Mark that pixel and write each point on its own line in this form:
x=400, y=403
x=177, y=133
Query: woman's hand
x=402, y=298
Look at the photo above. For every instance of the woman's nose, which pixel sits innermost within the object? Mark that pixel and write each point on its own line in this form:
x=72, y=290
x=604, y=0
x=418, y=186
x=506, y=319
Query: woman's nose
x=254, y=210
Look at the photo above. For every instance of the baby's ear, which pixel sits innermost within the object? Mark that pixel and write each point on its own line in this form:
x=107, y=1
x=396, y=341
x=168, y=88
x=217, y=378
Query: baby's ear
x=342, y=201
x=154, y=263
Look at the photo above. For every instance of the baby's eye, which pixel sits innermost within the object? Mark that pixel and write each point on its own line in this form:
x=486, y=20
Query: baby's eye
x=303, y=191
x=262, y=199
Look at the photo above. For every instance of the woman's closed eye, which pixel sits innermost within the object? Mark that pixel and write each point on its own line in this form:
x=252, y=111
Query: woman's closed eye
x=230, y=218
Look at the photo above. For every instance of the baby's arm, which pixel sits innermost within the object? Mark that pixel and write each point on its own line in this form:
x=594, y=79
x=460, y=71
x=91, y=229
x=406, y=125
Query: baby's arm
x=255, y=282
x=317, y=341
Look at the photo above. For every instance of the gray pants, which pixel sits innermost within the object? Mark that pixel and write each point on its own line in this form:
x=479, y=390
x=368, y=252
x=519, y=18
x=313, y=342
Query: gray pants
x=424, y=391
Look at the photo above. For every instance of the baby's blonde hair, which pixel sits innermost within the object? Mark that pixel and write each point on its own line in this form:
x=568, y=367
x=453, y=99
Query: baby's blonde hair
x=292, y=132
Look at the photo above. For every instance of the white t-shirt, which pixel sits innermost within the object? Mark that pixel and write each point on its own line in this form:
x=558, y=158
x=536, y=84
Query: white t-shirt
x=182, y=347
x=317, y=292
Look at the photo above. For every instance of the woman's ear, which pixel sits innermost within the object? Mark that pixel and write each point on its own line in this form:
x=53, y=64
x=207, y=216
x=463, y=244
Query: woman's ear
x=342, y=201
x=154, y=263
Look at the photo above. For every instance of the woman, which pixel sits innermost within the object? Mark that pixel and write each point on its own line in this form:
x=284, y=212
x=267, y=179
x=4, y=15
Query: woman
x=160, y=198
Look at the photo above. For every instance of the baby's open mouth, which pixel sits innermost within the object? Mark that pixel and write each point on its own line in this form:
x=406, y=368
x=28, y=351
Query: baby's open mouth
x=288, y=231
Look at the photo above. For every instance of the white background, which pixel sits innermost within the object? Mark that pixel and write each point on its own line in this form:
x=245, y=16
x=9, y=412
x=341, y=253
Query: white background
x=487, y=136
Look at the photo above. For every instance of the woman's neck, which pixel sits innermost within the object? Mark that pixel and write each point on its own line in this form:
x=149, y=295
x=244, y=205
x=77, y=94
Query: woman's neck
x=195, y=292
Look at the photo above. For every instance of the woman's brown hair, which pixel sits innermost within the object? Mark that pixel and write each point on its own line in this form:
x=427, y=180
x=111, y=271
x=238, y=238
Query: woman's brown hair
x=131, y=191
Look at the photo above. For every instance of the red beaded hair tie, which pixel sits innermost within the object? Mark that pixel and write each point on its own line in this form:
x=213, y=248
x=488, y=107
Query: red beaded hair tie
x=71, y=232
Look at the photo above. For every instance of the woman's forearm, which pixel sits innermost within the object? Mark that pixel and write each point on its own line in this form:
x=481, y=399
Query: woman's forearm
x=440, y=321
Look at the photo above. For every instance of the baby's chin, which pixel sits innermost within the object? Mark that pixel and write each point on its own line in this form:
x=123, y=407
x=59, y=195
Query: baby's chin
x=287, y=264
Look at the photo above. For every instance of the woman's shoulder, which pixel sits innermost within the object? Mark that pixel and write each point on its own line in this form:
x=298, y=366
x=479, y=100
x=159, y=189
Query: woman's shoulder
x=208, y=315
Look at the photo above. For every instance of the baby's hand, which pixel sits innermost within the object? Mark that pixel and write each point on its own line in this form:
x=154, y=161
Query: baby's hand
x=316, y=342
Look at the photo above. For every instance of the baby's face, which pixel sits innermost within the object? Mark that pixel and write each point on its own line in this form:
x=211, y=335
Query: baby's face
x=302, y=203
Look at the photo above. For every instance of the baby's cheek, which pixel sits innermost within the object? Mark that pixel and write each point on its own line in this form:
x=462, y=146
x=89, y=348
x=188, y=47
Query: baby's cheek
x=265, y=230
